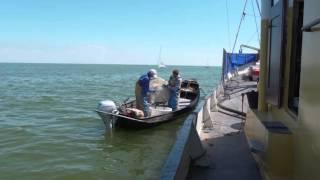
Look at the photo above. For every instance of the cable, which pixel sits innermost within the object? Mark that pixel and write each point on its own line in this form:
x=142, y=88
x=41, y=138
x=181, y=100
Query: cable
x=255, y=20
x=242, y=17
x=251, y=37
x=227, y=8
x=258, y=7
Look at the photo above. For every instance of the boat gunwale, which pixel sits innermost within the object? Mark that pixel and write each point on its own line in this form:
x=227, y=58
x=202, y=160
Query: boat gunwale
x=124, y=121
x=147, y=119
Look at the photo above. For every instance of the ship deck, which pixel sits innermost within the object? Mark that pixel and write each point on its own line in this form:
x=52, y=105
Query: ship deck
x=225, y=142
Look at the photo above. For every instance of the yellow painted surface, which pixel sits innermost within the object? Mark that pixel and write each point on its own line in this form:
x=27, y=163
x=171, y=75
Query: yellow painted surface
x=254, y=128
x=288, y=57
x=283, y=113
x=308, y=132
x=304, y=143
x=262, y=106
x=276, y=161
x=279, y=156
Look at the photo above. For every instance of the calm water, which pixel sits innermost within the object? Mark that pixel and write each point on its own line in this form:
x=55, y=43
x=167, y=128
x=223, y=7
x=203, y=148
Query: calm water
x=48, y=129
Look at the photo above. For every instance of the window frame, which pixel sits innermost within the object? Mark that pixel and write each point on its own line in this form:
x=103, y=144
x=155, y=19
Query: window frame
x=296, y=52
x=276, y=54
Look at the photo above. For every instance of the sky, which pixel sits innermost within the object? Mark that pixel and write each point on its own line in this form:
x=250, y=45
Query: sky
x=189, y=32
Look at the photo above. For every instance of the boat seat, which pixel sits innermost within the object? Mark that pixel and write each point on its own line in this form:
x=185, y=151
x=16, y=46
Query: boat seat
x=184, y=100
x=158, y=110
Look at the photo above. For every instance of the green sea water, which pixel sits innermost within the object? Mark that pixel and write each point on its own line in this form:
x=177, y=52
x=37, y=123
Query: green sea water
x=48, y=129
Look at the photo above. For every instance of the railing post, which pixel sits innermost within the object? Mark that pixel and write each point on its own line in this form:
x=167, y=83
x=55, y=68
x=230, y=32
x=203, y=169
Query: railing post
x=207, y=123
x=214, y=102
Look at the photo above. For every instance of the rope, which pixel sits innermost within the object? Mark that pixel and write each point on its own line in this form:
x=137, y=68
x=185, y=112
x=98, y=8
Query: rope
x=258, y=7
x=255, y=20
x=242, y=17
x=220, y=105
x=227, y=8
x=251, y=37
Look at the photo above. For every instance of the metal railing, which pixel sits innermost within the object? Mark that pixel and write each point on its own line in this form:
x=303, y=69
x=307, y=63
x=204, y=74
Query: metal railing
x=181, y=155
x=176, y=156
x=188, y=146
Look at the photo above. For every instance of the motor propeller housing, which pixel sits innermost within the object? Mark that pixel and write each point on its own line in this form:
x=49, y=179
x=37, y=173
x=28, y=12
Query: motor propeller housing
x=107, y=106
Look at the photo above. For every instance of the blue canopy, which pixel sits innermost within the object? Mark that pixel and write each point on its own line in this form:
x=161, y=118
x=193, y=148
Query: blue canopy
x=231, y=61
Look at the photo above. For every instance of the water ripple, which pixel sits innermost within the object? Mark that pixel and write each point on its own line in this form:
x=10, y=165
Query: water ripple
x=48, y=128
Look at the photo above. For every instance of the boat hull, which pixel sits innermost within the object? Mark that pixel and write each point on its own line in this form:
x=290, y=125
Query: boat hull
x=128, y=122
x=123, y=121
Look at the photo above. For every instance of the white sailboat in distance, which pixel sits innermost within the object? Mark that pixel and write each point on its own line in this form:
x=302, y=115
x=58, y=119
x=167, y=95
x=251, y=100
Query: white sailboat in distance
x=160, y=62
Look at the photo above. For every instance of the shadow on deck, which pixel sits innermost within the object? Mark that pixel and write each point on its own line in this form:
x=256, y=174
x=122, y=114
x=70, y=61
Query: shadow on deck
x=225, y=143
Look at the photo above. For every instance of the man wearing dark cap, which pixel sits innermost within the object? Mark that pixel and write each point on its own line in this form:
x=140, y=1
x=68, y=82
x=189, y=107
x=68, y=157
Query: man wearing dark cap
x=143, y=90
x=174, y=85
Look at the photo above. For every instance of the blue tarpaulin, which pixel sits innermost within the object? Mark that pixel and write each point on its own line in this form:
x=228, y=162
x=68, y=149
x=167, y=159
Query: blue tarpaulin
x=232, y=61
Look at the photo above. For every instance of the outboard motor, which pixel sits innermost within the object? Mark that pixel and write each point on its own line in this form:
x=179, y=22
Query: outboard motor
x=109, y=107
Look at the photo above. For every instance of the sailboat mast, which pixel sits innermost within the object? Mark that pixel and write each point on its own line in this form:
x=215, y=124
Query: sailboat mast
x=159, y=59
x=160, y=63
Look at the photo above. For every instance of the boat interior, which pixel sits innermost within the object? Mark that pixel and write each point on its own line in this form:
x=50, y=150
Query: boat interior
x=189, y=91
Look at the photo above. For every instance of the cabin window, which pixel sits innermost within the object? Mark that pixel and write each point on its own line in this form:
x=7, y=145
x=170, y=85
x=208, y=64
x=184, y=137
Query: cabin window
x=295, y=65
x=275, y=54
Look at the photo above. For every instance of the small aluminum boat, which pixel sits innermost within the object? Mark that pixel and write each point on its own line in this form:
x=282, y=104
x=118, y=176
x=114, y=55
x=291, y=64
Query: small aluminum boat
x=117, y=116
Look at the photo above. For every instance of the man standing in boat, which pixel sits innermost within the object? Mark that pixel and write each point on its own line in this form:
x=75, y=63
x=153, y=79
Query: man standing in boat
x=174, y=85
x=142, y=91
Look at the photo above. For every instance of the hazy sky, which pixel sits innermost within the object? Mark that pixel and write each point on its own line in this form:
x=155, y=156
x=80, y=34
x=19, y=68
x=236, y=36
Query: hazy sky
x=190, y=32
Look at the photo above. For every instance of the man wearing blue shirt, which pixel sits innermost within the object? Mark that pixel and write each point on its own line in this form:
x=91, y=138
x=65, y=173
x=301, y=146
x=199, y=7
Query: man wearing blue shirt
x=143, y=83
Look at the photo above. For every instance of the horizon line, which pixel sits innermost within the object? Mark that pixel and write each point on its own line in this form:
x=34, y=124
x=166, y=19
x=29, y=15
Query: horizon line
x=103, y=64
